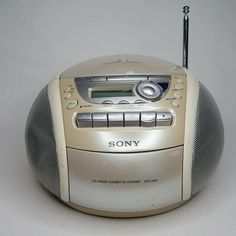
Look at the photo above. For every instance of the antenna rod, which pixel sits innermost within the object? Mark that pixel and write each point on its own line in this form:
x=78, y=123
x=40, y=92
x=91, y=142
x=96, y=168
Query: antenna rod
x=185, y=36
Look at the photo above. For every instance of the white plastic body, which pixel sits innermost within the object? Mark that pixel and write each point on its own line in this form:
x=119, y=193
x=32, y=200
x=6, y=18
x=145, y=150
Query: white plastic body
x=58, y=127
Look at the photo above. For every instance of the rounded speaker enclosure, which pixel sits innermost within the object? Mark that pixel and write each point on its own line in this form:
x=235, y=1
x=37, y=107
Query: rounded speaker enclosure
x=40, y=143
x=208, y=139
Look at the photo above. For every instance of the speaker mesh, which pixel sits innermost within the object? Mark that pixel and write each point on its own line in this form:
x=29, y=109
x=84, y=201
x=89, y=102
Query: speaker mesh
x=40, y=143
x=208, y=141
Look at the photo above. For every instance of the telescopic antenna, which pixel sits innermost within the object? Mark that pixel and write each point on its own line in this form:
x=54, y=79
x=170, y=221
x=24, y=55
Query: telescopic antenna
x=185, y=36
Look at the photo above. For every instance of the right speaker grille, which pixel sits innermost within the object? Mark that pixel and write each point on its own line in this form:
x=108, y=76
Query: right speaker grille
x=208, y=140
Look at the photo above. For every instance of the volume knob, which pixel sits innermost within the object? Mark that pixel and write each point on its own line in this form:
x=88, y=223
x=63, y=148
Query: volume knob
x=149, y=91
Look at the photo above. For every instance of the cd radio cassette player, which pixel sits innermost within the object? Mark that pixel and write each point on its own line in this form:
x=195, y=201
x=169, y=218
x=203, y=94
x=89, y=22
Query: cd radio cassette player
x=124, y=136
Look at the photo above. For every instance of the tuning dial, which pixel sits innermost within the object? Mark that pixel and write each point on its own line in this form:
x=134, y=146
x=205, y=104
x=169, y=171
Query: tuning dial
x=149, y=91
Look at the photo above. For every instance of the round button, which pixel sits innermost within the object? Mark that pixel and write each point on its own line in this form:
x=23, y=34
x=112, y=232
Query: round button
x=107, y=102
x=67, y=95
x=177, y=95
x=139, y=101
x=67, y=89
x=149, y=90
x=180, y=80
x=71, y=104
x=123, y=102
x=175, y=104
x=178, y=86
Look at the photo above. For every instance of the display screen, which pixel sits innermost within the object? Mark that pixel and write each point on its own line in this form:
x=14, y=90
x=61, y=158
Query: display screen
x=111, y=93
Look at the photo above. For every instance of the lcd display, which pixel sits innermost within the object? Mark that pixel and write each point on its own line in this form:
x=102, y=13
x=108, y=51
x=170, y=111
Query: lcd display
x=111, y=93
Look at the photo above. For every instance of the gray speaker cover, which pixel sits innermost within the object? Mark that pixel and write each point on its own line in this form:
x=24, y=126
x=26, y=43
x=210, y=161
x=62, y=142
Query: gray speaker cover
x=40, y=144
x=208, y=140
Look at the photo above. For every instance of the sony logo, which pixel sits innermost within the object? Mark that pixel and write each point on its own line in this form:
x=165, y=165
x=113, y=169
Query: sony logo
x=123, y=143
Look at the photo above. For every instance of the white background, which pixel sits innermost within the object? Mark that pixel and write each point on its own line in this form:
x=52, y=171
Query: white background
x=40, y=38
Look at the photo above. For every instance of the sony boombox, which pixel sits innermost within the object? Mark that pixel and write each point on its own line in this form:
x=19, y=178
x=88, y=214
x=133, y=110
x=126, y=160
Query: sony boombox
x=124, y=136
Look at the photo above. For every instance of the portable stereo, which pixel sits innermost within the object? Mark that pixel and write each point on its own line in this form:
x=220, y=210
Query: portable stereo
x=125, y=135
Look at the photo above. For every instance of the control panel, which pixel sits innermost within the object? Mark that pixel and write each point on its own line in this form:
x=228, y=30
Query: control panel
x=126, y=89
x=146, y=108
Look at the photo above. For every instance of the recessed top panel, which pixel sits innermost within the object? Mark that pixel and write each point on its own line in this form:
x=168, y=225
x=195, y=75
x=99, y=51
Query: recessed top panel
x=123, y=64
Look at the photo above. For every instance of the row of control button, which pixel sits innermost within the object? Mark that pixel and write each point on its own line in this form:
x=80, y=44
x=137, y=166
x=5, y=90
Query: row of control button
x=139, y=101
x=68, y=94
x=120, y=119
x=177, y=92
x=117, y=78
x=68, y=91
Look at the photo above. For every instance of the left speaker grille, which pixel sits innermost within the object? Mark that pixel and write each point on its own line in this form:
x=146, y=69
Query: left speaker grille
x=40, y=143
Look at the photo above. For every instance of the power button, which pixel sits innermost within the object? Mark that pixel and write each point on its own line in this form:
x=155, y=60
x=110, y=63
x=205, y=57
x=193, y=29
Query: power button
x=71, y=104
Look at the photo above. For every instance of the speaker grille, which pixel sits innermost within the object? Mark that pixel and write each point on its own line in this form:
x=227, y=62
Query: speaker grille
x=40, y=143
x=208, y=140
